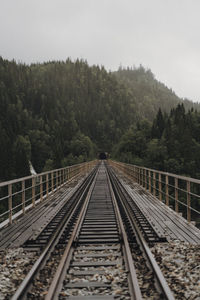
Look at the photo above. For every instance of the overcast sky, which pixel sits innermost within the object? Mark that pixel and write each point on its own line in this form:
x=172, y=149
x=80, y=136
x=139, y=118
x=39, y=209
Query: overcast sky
x=163, y=35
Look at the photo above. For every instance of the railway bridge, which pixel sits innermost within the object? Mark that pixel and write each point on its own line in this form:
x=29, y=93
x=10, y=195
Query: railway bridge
x=100, y=230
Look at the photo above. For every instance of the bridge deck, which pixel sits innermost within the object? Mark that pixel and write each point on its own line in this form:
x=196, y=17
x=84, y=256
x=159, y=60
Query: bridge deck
x=164, y=219
x=32, y=223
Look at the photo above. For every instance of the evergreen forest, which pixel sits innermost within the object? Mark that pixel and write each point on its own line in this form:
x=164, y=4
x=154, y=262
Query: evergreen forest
x=60, y=113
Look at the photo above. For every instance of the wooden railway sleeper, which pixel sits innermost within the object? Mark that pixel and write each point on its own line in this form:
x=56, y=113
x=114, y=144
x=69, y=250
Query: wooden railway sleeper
x=151, y=235
x=148, y=257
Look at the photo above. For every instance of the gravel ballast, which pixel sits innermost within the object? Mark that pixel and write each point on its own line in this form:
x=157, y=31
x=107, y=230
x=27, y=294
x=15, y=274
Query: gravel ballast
x=180, y=264
x=14, y=265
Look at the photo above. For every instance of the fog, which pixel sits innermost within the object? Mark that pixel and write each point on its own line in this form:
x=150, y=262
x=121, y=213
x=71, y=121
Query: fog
x=160, y=35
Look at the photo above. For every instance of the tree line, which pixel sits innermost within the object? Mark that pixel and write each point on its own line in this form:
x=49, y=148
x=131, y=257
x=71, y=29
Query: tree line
x=63, y=112
x=171, y=143
x=58, y=113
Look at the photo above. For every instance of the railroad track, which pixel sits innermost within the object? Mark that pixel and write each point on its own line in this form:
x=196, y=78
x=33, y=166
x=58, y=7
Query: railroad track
x=135, y=213
x=96, y=251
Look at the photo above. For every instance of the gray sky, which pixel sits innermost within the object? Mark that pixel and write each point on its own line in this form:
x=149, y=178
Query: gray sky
x=162, y=35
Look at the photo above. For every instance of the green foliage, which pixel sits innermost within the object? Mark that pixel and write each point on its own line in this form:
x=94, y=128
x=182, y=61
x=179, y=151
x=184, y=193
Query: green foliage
x=171, y=144
x=60, y=113
x=133, y=144
x=65, y=110
x=155, y=154
x=21, y=154
x=148, y=94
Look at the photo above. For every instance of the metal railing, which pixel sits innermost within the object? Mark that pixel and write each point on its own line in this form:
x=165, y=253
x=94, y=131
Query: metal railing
x=19, y=195
x=179, y=192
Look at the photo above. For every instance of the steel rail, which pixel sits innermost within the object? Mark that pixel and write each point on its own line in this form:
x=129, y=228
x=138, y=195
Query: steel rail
x=24, y=286
x=163, y=286
x=147, y=229
x=55, y=284
x=133, y=281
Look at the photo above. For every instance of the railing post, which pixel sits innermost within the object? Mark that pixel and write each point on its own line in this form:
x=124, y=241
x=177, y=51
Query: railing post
x=188, y=202
x=56, y=179
x=23, y=196
x=52, y=182
x=167, y=190
x=47, y=184
x=145, y=178
x=154, y=183
x=132, y=172
x=59, y=172
x=60, y=179
x=139, y=176
x=10, y=202
x=72, y=172
x=41, y=188
x=65, y=175
x=149, y=181
x=33, y=191
x=160, y=187
x=176, y=194
x=66, y=178
x=142, y=181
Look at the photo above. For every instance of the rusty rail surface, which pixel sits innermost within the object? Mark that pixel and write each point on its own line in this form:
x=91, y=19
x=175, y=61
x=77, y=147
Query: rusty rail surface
x=19, y=195
x=179, y=192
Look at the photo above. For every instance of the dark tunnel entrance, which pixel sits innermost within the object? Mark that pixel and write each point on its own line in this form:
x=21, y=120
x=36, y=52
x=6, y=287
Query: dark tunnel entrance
x=102, y=155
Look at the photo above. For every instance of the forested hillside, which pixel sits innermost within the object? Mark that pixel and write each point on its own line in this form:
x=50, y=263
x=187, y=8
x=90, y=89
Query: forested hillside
x=59, y=113
x=148, y=94
x=171, y=143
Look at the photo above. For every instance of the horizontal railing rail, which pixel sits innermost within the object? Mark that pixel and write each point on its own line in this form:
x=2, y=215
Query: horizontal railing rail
x=19, y=195
x=179, y=192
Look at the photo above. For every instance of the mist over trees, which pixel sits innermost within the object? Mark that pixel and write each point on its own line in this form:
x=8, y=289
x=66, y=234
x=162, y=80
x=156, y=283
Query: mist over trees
x=148, y=94
x=60, y=113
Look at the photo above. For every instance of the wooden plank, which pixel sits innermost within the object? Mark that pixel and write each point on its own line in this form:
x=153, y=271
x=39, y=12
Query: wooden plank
x=95, y=263
x=16, y=234
x=87, y=272
x=94, y=297
x=105, y=247
x=99, y=226
x=99, y=232
x=87, y=284
x=98, y=241
x=165, y=219
x=98, y=255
